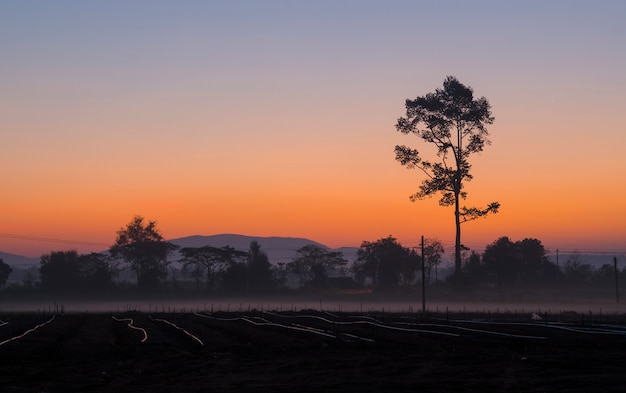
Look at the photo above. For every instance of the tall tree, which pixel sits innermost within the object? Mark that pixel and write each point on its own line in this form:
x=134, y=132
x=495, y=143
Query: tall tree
x=455, y=123
x=143, y=247
x=314, y=263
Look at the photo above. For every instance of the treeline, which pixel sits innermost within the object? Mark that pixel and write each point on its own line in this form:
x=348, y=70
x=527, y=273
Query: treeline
x=382, y=264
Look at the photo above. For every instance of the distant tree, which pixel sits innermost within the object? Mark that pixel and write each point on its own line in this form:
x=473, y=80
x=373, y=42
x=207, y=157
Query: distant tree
x=455, y=123
x=385, y=262
x=605, y=276
x=213, y=261
x=95, y=272
x=29, y=281
x=235, y=278
x=67, y=271
x=536, y=266
x=313, y=264
x=259, y=275
x=59, y=271
x=473, y=270
x=193, y=267
x=279, y=274
x=433, y=252
x=524, y=262
x=501, y=262
x=577, y=272
x=5, y=272
x=143, y=248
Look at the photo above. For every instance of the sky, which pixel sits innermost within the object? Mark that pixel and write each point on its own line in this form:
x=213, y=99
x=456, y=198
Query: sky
x=277, y=118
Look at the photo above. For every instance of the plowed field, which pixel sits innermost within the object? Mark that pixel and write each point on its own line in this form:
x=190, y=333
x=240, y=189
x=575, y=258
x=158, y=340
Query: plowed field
x=307, y=351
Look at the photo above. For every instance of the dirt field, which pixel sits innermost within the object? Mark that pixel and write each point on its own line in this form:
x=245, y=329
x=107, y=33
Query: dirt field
x=309, y=351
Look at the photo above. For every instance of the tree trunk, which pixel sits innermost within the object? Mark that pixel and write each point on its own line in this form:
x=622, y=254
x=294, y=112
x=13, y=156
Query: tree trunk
x=457, y=193
x=457, y=242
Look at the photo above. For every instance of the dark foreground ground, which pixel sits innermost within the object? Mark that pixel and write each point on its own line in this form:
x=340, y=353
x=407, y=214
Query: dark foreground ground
x=310, y=351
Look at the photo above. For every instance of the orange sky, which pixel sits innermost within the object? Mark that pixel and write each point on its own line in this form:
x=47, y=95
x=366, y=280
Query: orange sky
x=278, y=120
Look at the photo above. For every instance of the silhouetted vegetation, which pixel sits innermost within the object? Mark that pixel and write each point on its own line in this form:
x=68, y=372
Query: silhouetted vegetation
x=69, y=272
x=383, y=264
x=259, y=273
x=211, y=262
x=314, y=264
x=229, y=270
x=433, y=253
x=455, y=122
x=507, y=264
x=5, y=271
x=143, y=248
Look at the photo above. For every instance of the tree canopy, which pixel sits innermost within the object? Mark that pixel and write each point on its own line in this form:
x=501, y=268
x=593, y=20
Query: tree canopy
x=513, y=264
x=259, y=277
x=67, y=271
x=314, y=263
x=143, y=247
x=209, y=260
x=385, y=262
x=433, y=252
x=454, y=122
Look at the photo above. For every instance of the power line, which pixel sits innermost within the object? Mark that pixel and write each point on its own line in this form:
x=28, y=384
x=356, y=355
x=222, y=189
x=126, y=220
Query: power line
x=448, y=245
x=51, y=240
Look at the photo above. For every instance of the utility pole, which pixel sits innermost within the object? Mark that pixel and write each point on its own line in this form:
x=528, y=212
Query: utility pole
x=423, y=279
x=558, y=270
x=557, y=259
x=616, y=283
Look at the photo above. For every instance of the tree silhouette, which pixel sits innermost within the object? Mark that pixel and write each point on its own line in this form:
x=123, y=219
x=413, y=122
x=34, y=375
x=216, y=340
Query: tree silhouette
x=576, y=271
x=95, y=271
x=259, y=272
x=385, y=262
x=454, y=121
x=433, y=251
x=59, y=271
x=313, y=264
x=212, y=260
x=143, y=247
x=5, y=272
x=520, y=263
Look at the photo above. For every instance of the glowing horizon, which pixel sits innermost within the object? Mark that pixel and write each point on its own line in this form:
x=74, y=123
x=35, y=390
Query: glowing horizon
x=277, y=119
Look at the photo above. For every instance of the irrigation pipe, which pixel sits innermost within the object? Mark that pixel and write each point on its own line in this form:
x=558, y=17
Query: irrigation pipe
x=556, y=325
x=216, y=318
x=352, y=336
x=373, y=322
x=267, y=323
x=28, y=331
x=588, y=331
x=130, y=325
x=481, y=331
x=179, y=328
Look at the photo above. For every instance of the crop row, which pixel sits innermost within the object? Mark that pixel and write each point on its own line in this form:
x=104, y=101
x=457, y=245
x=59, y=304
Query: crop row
x=219, y=331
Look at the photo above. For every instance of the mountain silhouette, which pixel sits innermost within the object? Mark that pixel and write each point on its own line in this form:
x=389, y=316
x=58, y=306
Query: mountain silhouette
x=19, y=261
x=278, y=249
